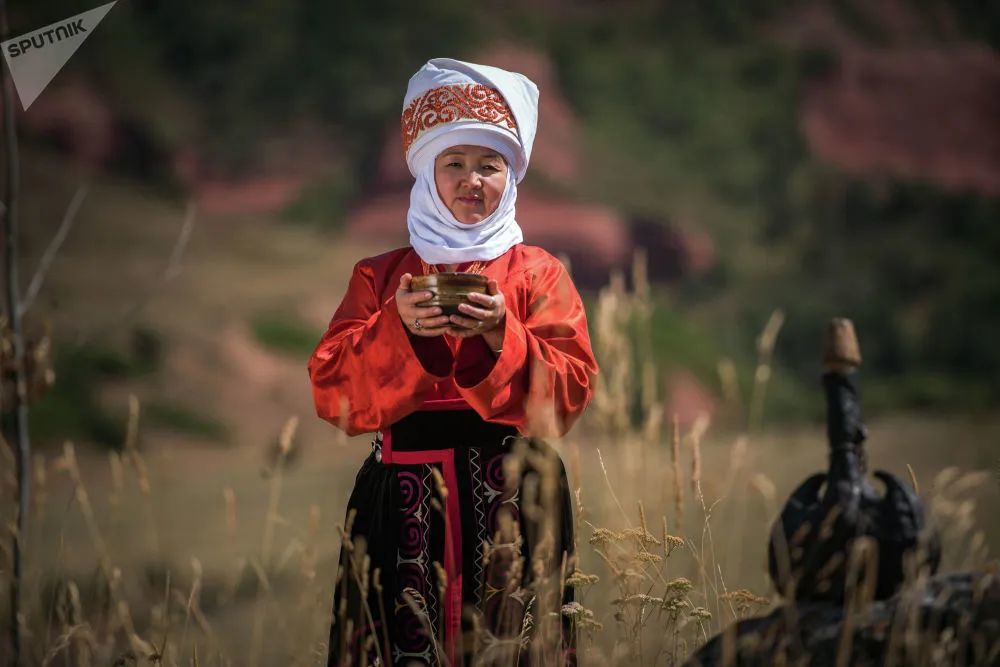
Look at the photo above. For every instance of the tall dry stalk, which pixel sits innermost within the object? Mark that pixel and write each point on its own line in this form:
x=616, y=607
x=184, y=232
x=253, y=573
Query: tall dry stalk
x=131, y=451
x=657, y=617
x=19, y=411
x=675, y=462
x=762, y=373
x=267, y=538
x=111, y=575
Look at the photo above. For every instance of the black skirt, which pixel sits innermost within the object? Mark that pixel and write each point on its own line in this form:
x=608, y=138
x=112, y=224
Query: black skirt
x=459, y=536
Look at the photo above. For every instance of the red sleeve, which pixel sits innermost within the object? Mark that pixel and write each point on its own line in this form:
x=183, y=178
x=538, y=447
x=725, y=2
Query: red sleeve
x=365, y=372
x=544, y=378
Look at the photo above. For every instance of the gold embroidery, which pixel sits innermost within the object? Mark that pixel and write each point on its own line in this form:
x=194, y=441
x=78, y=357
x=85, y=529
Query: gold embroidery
x=448, y=104
x=476, y=267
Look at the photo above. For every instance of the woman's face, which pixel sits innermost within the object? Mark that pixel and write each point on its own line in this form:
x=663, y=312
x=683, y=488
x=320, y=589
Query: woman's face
x=470, y=181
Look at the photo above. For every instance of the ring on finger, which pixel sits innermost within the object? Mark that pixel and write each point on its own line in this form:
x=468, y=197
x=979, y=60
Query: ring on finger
x=417, y=324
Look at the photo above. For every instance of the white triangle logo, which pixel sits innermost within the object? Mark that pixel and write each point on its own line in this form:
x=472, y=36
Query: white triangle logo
x=34, y=58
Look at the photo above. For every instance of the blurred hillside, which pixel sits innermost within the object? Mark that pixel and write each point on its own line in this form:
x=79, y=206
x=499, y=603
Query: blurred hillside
x=819, y=157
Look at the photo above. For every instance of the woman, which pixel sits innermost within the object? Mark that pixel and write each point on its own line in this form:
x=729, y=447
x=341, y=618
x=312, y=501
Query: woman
x=440, y=559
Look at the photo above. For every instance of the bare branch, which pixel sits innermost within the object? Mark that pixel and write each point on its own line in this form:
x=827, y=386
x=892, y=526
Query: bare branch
x=171, y=271
x=19, y=414
x=174, y=265
x=50, y=252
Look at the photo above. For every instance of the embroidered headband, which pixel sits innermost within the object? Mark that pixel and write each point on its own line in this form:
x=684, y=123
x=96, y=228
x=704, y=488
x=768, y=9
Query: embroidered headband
x=452, y=103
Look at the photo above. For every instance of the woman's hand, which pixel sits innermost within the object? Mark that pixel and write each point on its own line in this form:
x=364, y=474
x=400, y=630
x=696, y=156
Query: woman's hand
x=486, y=318
x=426, y=322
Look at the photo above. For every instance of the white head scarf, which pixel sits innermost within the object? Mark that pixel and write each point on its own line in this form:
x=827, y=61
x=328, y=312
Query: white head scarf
x=450, y=103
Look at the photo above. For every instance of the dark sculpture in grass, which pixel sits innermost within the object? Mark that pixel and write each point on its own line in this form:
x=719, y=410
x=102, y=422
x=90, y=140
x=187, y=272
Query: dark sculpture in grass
x=816, y=537
x=856, y=567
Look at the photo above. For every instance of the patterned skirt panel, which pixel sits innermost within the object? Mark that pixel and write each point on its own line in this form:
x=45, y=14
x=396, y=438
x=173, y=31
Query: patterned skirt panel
x=442, y=565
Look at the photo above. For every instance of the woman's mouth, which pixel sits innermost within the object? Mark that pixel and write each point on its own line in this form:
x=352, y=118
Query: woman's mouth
x=470, y=200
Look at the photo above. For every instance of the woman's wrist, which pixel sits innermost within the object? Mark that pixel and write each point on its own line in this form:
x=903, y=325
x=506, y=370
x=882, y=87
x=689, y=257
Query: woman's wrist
x=494, y=339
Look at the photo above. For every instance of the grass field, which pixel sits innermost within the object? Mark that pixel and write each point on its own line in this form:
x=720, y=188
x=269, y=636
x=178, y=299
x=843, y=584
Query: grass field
x=204, y=524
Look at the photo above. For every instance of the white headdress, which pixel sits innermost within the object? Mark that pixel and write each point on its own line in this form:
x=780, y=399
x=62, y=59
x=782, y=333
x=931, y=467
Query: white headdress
x=450, y=103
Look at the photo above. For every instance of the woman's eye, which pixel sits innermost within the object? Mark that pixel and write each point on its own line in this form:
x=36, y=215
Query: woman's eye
x=454, y=164
x=490, y=166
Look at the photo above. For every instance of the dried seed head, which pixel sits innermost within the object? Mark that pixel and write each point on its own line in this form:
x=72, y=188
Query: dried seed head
x=679, y=586
x=643, y=536
x=313, y=525
x=578, y=579
x=442, y=576
x=700, y=613
x=637, y=600
x=675, y=456
x=575, y=610
x=413, y=595
x=288, y=435
x=442, y=488
x=744, y=600
x=672, y=542
x=697, y=432
x=675, y=605
x=229, y=496
x=604, y=536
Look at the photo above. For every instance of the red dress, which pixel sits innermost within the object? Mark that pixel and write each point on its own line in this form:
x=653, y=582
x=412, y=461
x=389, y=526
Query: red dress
x=450, y=406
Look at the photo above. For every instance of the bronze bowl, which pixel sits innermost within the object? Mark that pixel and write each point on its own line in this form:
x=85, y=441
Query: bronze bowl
x=448, y=290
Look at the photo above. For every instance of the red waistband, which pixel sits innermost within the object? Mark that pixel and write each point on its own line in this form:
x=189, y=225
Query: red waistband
x=446, y=404
x=439, y=425
x=428, y=406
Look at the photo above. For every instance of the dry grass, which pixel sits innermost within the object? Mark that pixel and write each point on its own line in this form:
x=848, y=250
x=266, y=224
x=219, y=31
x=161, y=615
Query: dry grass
x=176, y=556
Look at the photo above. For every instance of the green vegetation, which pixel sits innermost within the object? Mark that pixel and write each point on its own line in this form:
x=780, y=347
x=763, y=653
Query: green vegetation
x=72, y=409
x=324, y=202
x=678, y=341
x=183, y=419
x=715, y=138
x=284, y=333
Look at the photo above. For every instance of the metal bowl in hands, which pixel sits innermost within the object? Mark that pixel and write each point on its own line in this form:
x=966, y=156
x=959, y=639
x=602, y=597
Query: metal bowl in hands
x=448, y=290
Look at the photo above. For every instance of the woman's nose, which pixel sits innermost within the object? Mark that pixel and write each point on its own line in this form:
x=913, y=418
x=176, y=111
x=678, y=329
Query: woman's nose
x=475, y=180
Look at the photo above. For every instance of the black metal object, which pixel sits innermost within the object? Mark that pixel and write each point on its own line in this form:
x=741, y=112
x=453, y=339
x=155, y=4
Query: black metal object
x=964, y=604
x=811, y=543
